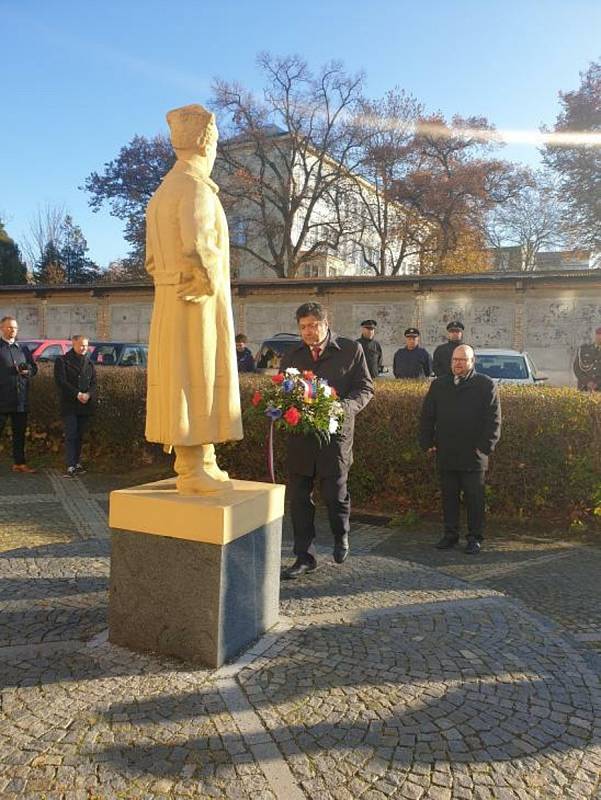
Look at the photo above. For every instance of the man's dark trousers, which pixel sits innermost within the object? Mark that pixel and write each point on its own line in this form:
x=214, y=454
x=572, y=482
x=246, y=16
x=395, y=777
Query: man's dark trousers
x=18, y=421
x=75, y=427
x=471, y=483
x=335, y=494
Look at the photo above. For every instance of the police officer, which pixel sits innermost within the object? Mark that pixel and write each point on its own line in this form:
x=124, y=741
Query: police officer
x=412, y=361
x=443, y=353
x=371, y=348
x=587, y=365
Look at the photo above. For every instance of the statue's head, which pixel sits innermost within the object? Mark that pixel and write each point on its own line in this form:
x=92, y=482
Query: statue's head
x=193, y=129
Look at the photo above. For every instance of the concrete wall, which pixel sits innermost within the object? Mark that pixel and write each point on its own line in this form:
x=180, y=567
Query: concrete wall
x=547, y=315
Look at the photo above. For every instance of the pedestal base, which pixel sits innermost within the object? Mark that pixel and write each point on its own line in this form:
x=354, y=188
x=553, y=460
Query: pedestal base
x=191, y=582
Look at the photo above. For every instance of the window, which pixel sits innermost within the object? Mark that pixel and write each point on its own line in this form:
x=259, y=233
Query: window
x=51, y=353
x=131, y=357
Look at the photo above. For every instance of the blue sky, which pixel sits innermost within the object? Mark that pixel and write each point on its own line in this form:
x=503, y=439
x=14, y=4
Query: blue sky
x=79, y=80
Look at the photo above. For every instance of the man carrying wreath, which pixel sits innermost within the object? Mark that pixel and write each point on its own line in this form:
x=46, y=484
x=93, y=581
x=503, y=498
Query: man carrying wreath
x=342, y=363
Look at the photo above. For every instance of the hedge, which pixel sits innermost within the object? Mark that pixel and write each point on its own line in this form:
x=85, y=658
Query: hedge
x=548, y=463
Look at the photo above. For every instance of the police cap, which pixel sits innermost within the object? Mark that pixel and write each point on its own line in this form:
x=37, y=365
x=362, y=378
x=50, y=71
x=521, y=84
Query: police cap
x=455, y=326
x=369, y=323
x=412, y=332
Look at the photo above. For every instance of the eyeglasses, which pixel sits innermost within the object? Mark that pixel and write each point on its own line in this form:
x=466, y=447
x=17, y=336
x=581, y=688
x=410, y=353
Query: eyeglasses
x=460, y=360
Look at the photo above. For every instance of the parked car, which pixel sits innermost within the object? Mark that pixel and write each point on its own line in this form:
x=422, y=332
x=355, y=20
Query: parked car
x=46, y=349
x=507, y=366
x=271, y=351
x=119, y=354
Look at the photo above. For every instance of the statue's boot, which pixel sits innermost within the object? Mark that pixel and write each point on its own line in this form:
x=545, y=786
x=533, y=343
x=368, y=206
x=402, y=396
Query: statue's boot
x=197, y=471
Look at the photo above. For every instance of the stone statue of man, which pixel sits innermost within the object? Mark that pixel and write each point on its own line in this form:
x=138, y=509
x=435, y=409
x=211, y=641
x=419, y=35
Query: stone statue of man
x=193, y=395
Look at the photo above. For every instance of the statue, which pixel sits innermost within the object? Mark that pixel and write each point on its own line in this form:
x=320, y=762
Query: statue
x=193, y=395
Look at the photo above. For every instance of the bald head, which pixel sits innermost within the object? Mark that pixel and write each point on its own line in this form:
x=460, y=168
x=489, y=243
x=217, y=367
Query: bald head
x=462, y=360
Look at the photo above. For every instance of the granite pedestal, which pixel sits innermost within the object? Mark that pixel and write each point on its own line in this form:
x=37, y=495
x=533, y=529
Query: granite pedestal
x=194, y=577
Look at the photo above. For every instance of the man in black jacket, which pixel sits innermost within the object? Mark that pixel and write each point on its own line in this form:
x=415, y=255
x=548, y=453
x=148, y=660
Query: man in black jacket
x=441, y=362
x=342, y=363
x=461, y=423
x=412, y=361
x=16, y=368
x=75, y=377
x=371, y=348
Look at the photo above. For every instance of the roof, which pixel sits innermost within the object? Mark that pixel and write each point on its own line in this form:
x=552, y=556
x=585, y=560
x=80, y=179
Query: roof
x=417, y=282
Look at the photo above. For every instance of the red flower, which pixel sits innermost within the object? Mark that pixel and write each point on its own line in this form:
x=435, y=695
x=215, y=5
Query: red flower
x=279, y=377
x=308, y=375
x=256, y=398
x=292, y=416
x=334, y=392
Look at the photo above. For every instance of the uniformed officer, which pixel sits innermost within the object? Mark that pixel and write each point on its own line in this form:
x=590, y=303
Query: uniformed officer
x=443, y=353
x=587, y=365
x=412, y=361
x=371, y=348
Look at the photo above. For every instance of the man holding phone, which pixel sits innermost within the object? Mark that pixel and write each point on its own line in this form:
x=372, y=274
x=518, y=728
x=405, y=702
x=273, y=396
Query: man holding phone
x=16, y=369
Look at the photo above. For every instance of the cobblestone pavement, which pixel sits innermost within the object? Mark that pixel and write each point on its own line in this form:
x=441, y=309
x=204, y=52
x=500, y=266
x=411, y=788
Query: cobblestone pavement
x=404, y=673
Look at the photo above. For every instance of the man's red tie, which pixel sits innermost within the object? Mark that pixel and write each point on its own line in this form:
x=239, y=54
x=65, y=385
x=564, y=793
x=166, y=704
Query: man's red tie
x=315, y=352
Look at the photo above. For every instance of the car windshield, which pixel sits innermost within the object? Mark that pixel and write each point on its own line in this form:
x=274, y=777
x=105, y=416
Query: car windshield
x=502, y=367
x=271, y=352
x=31, y=344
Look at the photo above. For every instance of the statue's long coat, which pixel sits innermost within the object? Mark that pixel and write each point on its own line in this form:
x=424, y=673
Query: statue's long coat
x=193, y=395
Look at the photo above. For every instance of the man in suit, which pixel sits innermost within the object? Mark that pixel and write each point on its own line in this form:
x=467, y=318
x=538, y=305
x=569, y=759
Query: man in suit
x=16, y=368
x=441, y=363
x=75, y=377
x=342, y=363
x=461, y=423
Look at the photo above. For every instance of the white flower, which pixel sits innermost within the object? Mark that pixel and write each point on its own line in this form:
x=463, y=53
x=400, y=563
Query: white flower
x=292, y=371
x=333, y=425
x=327, y=390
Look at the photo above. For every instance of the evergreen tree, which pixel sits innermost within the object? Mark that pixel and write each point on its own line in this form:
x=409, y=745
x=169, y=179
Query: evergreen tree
x=76, y=264
x=12, y=269
x=50, y=267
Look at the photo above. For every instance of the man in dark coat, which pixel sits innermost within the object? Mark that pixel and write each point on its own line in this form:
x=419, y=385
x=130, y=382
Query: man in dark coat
x=587, y=365
x=371, y=348
x=441, y=363
x=246, y=362
x=412, y=361
x=16, y=368
x=461, y=423
x=75, y=377
x=342, y=363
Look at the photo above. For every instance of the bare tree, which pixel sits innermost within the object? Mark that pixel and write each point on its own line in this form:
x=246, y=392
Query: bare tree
x=46, y=228
x=531, y=220
x=285, y=161
x=390, y=234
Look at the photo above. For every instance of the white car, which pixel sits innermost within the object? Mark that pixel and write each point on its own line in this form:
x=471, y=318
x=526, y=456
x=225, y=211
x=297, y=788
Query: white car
x=507, y=366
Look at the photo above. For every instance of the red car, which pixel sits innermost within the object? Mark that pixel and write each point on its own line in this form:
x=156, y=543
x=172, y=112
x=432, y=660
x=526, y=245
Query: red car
x=46, y=349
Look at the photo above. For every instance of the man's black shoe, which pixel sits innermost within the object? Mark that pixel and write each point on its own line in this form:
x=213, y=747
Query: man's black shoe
x=341, y=549
x=473, y=547
x=446, y=543
x=302, y=565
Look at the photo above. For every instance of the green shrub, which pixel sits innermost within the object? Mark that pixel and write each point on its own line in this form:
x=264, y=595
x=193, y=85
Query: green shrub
x=548, y=463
